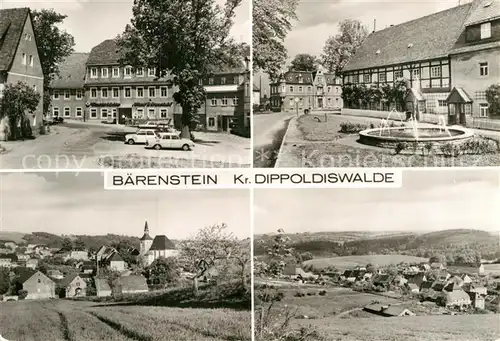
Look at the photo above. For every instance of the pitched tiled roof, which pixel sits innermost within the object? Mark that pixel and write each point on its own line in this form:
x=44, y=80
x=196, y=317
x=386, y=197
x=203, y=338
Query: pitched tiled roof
x=102, y=284
x=486, y=10
x=456, y=295
x=11, y=28
x=71, y=72
x=11, y=256
x=106, y=53
x=116, y=258
x=63, y=283
x=429, y=37
x=161, y=242
x=132, y=282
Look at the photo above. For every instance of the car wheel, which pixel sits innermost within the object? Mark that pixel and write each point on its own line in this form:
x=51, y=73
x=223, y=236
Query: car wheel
x=157, y=147
x=131, y=141
x=185, y=147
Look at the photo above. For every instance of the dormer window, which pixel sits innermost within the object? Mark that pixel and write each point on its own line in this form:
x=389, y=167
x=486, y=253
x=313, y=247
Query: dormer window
x=486, y=30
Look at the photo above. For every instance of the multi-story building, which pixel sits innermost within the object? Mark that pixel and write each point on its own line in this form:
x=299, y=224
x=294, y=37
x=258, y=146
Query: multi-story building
x=19, y=60
x=98, y=87
x=450, y=57
x=300, y=90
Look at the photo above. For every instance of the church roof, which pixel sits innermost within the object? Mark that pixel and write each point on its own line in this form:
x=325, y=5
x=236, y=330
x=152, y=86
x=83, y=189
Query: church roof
x=146, y=235
x=161, y=242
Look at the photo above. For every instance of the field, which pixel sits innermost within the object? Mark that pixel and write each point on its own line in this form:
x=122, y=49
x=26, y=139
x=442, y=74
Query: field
x=493, y=269
x=64, y=320
x=348, y=262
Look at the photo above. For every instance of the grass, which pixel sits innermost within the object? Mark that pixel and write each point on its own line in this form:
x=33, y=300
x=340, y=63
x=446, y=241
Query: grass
x=348, y=262
x=493, y=269
x=415, y=328
x=143, y=317
x=328, y=130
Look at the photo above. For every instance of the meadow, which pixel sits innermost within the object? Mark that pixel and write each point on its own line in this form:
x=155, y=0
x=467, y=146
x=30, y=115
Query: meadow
x=493, y=269
x=349, y=262
x=65, y=320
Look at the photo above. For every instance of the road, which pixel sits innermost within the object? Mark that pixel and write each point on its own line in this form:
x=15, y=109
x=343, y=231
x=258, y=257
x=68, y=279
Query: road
x=78, y=145
x=268, y=132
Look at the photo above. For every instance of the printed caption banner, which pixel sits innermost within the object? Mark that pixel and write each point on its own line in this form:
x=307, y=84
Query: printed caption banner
x=256, y=178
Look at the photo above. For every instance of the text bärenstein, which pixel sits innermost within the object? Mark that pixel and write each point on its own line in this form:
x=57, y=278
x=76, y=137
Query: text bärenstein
x=169, y=180
x=324, y=178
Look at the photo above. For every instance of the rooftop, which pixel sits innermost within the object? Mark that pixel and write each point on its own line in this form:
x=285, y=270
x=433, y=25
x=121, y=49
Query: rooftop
x=11, y=28
x=71, y=72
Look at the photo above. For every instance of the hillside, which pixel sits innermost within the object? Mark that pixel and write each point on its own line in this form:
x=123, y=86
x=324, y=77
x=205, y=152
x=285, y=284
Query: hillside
x=349, y=262
x=16, y=237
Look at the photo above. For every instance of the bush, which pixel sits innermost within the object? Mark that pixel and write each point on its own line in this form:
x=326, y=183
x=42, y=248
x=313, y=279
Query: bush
x=322, y=293
x=450, y=150
x=352, y=128
x=311, y=293
x=22, y=294
x=400, y=146
x=299, y=294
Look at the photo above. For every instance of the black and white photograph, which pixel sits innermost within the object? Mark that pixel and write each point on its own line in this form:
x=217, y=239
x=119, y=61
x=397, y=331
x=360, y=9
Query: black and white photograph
x=125, y=84
x=416, y=263
x=376, y=83
x=81, y=263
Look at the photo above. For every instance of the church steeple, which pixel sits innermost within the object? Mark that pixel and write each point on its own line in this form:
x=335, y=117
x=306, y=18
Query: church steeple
x=146, y=235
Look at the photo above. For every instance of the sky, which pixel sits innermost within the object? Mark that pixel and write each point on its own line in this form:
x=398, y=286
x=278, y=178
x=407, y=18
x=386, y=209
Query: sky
x=427, y=201
x=93, y=21
x=70, y=203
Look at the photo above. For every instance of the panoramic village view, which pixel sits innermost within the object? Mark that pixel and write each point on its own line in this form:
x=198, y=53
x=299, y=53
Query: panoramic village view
x=112, y=96
x=380, y=264
x=89, y=264
x=373, y=84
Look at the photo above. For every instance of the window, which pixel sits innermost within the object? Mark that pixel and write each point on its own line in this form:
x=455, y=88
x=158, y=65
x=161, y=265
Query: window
x=152, y=72
x=104, y=92
x=39, y=281
x=67, y=94
x=78, y=112
x=34, y=87
x=210, y=81
x=163, y=91
x=128, y=92
x=486, y=30
x=382, y=78
x=116, y=72
x=24, y=59
x=139, y=92
x=128, y=71
x=67, y=111
x=163, y=112
x=398, y=74
x=367, y=78
x=116, y=92
x=79, y=94
x=483, y=69
x=93, y=93
x=104, y=112
x=211, y=122
x=309, y=88
x=114, y=111
x=236, y=80
x=223, y=80
x=31, y=60
x=442, y=103
x=55, y=111
x=56, y=94
x=104, y=72
x=291, y=102
x=415, y=72
x=436, y=71
x=329, y=89
x=152, y=92
x=151, y=113
x=213, y=102
x=291, y=89
x=235, y=101
x=93, y=72
x=483, y=109
x=139, y=72
x=301, y=89
x=224, y=101
x=140, y=113
x=93, y=112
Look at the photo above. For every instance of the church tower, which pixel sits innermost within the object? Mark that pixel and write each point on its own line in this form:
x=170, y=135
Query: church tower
x=146, y=240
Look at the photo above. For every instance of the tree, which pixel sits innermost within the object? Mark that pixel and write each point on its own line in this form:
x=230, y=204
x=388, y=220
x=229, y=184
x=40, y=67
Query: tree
x=188, y=40
x=79, y=244
x=304, y=62
x=4, y=280
x=272, y=20
x=124, y=248
x=162, y=272
x=54, y=45
x=493, y=98
x=306, y=256
x=17, y=102
x=67, y=244
x=438, y=258
x=278, y=252
x=210, y=247
x=339, y=49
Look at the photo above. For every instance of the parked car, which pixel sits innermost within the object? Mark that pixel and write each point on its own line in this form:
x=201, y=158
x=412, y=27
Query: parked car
x=169, y=141
x=156, y=124
x=140, y=136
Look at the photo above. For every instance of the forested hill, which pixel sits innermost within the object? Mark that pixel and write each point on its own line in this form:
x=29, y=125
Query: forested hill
x=327, y=244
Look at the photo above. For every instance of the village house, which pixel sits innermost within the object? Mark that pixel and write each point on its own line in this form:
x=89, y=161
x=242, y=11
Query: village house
x=300, y=90
x=477, y=300
x=55, y=274
x=152, y=249
x=116, y=262
x=23, y=257
x=8, y=260
x=130, y=285
x=451, y=57
x=11, y=245
x=19, y=60
x=480, y=270
x=5, y=250
x=72, y=286
x=414, y=288
x=466, y=279
x=457, y=299
x=400, y=281
x=102, y=287
x=109, y=257
x=32, y=263
x=417, y=278
x=388, y=310
x=36, y=284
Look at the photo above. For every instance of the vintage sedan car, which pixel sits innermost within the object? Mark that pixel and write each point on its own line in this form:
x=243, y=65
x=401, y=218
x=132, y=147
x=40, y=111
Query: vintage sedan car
x=169, y=141
x=140, y=136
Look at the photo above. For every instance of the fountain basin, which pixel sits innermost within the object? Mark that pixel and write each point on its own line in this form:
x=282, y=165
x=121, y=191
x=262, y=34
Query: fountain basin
x=390, y=137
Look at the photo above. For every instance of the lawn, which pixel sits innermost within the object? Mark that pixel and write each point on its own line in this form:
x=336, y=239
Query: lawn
x=64, y=320
x=410, y=328
x=349, y=262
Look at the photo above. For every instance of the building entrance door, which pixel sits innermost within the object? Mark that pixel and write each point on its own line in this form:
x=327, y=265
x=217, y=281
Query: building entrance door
x=320, y=102
x=124, y=114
